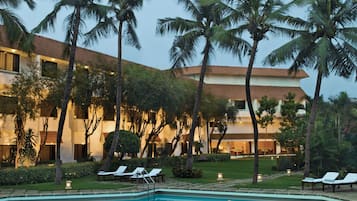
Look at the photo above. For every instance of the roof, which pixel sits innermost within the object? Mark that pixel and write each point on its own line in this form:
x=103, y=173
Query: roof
x=237, y=92
x=52, y=48
x=241, y=71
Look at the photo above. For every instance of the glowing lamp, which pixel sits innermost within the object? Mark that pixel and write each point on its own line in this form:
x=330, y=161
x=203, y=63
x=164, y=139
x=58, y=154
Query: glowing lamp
x=288, y=172
x=259, y=177
x=68, y=185
x=220, y=176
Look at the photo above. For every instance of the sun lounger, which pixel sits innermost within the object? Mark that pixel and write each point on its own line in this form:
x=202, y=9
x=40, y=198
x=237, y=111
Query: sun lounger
x=328, y=176
x=125, y=175
x=102, y=174
x=154, y=174
x=349, y=179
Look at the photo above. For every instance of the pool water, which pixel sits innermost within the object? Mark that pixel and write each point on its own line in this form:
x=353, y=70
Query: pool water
x=175, y=195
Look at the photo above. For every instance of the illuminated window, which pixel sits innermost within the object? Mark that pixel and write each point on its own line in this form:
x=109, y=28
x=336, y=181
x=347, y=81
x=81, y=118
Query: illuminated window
x=9, y=61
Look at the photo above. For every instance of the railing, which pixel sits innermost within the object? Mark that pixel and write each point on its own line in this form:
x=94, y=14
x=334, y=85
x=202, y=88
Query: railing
x=148, y=180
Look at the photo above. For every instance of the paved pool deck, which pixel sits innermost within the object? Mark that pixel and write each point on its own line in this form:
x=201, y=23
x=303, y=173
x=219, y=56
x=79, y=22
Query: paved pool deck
x=344, y=193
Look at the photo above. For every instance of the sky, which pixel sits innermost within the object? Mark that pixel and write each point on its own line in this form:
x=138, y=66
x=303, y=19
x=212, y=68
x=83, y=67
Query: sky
x=154, y=48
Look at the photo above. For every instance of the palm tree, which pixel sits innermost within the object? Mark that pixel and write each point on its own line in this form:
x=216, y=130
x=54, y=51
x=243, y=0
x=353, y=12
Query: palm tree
x=124, y=18
x=257, y=17
x=82, y=9
x=208, y=23
x=327, y=43
x=15, y=30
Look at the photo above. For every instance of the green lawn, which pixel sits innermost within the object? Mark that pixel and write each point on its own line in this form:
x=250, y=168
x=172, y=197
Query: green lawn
x=234, y=169
x=84, y=183
x=284, y=182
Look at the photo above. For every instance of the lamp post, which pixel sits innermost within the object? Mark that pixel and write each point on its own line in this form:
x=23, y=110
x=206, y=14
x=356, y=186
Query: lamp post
x=220, y=177
x=68, y=185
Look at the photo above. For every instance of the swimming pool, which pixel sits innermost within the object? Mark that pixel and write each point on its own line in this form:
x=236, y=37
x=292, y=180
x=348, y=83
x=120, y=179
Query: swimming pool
x=175, y=195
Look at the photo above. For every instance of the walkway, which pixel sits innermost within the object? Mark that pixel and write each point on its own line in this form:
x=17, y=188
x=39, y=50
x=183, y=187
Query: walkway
x=344, y=193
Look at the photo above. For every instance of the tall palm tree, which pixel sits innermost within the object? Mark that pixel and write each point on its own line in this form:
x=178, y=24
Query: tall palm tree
x=15, y=30
x=81, y=10
x=123, y=20
x=326, y=42
x=257, y=17
x=208, y=23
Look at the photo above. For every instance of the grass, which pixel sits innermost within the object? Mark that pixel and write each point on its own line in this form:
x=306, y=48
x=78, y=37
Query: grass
x=84, y=183
x=284, y=182
x=234, y=169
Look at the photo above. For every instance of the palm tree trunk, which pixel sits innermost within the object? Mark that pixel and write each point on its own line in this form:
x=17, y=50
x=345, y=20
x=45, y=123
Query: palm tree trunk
x=66, y=95
x=196, y=107
x=311, y=124
x=251, y=109
x=115, y=141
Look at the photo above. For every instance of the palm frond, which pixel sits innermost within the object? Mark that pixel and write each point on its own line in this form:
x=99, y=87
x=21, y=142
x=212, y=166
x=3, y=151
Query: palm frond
x=343, y=60
x=286, y=52
x=175, y=25
x=349, y=34
x=96, y=11
x=101, y=29
x=131, y=36
x=14, y=27
x=229, y=41
x=49, y=21
x=183, y=48
x=191, y=8
x=30, y=3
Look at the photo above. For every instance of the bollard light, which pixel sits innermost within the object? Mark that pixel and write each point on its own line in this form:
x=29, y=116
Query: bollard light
x=259, y=177
x=288, y=172
x=220, y=176
x=68, y=185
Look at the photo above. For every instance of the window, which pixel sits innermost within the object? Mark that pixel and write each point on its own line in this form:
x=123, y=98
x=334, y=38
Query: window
x=9, y=61
x=8, y=104
x=48, y=110
x=81, y=112
x=79, y=152
x=108, y=112
x=49, y=69
x=48, y=153
x=239, y=104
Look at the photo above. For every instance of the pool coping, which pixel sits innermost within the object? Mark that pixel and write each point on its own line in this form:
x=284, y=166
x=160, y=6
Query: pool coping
x=137, y=194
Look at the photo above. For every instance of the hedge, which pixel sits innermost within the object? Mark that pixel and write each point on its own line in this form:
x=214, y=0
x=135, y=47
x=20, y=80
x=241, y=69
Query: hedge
x=44, y=173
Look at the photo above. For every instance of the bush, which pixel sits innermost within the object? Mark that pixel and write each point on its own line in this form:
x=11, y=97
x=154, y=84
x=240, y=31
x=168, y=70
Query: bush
x=128, y=142
x=289, y=162
x=212, y=157
x=186, y=173
x=41, y=174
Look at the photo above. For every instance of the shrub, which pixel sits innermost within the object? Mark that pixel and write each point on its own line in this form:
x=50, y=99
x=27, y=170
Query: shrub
x=44, y=173
x=212, y=157
x=186, y=173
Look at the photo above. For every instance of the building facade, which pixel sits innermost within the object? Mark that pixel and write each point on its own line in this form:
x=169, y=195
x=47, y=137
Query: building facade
x=229, y=83
x=225, y=82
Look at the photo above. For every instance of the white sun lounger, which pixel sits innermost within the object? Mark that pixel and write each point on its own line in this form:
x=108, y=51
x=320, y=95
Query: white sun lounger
x=136, y=171
x=349, y=179
x=328, y=176
x=153, y=173
x=101, y=175
x=120, y=169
